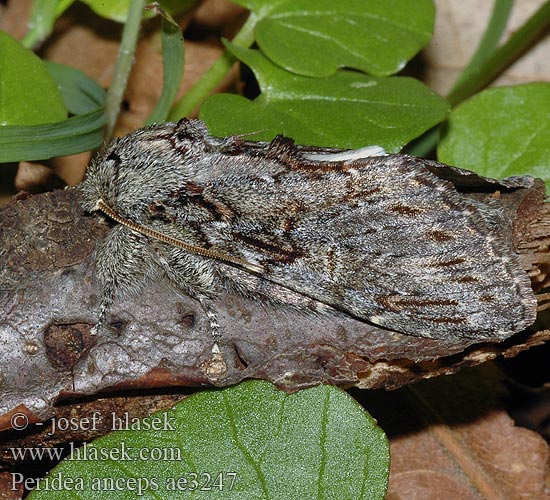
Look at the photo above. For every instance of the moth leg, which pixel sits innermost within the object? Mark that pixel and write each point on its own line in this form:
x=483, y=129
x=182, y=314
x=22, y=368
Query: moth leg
x=123, y=266
x=104, y=307
x=208, y=307
x=192, y=276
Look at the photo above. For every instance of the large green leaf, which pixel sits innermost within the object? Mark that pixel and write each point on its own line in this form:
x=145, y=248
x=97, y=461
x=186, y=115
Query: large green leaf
x=500, y=132
x=28, y=94
x=83, y=97
x=258, y=441
x=346, y=110
x=317, y=38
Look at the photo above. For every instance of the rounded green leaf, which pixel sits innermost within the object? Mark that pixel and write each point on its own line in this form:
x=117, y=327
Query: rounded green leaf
x=317, y=38
x=28, y=94
x=501, y=132
x=346, y=110
x=244, y=442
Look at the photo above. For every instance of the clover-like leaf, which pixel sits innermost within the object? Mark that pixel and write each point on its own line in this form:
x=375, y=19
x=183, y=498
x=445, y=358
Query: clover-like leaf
x=243, y=442
x=500, y=132
x=346, y=110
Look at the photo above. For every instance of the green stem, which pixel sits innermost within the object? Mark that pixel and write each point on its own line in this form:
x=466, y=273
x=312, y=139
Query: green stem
x=217, y=72
x=485, y=67
x=424, y=145
x=522, y=40
x=491, y=37
x=123, y=65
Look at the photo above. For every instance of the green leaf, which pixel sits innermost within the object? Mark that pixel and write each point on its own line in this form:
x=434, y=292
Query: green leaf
x=317, y=38
x=80, y=93
x=117, y=10
x=82, y=96
x=172, y=67
x=316, y=443
x=500, y=132
x=28, y=94
x=42, y=18
x=346, y=110
x=40, y=142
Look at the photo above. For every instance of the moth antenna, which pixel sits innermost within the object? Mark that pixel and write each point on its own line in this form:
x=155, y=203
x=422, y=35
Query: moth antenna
x=175, y=242
x=229, y=143
x=248, y=134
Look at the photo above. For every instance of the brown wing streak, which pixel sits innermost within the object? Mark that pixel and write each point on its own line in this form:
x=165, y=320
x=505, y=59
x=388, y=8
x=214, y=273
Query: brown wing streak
x=273, y=250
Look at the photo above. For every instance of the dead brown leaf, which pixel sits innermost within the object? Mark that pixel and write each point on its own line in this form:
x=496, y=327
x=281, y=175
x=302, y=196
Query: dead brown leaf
x=452, y=438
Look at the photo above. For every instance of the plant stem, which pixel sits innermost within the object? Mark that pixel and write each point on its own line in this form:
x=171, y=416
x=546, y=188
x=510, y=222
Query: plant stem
x=489, y=42
x=522, y=40
x=123, y=65
x=217, y=72
x=485, y=67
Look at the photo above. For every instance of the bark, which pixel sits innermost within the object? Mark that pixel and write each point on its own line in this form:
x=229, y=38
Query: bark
x=49, y=300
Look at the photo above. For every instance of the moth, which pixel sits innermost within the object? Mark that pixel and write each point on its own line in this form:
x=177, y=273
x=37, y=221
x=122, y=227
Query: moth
x=385, y=238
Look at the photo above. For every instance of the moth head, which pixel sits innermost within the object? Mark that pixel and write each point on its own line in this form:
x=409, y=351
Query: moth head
x=144, y=165
x=101, y=181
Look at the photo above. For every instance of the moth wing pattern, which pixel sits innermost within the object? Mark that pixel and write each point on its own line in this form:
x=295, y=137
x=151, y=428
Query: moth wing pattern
x=383, y=238
x=387, y=242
